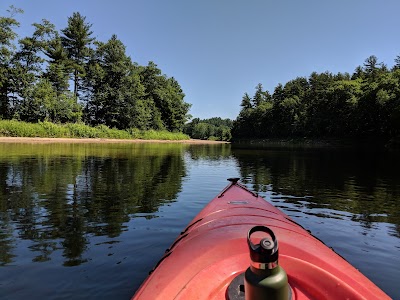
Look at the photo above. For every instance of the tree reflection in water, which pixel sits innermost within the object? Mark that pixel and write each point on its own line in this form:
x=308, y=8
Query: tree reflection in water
x=58, y=195
x=365, y=184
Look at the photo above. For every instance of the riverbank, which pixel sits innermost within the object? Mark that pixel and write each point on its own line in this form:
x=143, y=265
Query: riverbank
x=38, y=140
x=14, y=128
x=312, y=143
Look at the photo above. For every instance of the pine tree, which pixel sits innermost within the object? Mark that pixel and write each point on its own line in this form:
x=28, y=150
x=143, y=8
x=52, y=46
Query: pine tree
x=76, y=41
x=7, y=51
x=246, y=102
x=113, y=89
x=167, y=96
x=259, y=95
x=397, y=62
x=27, y=65
x=58, y=67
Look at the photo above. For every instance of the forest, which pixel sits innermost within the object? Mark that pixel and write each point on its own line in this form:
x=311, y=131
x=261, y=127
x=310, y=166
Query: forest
x=209, y=129
x=363, y=105
x=67, y=76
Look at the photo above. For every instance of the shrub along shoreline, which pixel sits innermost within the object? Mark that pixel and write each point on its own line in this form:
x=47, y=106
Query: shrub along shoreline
x=13, y=128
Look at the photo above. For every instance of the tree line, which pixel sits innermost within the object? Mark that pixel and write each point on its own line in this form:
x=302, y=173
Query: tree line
x=365, y=104
x=68, y=76
x=209, y=129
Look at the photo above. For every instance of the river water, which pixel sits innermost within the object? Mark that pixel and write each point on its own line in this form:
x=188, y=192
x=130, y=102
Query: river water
x=88, y=221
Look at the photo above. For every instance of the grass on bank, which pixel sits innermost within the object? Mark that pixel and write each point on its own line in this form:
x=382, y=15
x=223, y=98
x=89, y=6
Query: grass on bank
x=13, y=128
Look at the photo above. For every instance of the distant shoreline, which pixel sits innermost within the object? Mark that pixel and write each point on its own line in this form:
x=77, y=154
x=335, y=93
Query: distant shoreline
x=314, y=143
x=38, y=140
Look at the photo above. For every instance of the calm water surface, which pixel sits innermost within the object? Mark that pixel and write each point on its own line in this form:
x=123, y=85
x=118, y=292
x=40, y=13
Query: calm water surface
x=88, y=221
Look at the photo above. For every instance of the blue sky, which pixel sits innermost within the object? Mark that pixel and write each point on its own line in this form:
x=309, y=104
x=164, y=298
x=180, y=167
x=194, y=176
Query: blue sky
x=220, y=49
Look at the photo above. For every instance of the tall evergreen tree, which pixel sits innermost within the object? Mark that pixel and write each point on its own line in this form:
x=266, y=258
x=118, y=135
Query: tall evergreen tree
x=167, y=96
x=372, y=67
x=7, y=51
x=173, y=108
x=246, y=101
x=114, y=90
x=77, y=40
x=27, y=65
x=259, y=96
x=58, y=64
x=397, y=62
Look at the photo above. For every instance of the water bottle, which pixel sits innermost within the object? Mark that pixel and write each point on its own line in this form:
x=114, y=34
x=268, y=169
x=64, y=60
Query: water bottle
x=265, y=279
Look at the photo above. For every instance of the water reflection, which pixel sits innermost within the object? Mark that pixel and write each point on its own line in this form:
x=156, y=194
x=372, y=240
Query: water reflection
x=209, y=152
x=328, y=183
x=58, y=195
x=114, y=209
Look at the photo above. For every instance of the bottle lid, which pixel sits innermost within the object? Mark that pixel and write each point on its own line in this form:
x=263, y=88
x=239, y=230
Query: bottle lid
x=264, y=255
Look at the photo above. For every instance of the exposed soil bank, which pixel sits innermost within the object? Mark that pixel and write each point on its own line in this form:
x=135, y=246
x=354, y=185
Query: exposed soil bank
x=37, y=140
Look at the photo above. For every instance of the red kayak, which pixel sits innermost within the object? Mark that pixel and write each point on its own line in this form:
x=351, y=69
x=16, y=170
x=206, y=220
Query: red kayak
x=209, y=257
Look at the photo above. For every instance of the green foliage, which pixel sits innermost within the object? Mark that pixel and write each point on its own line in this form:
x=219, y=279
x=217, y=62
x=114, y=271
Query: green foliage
x=163, y=135
x=246, y=102
x=324, y=105
x=214, y=128
x=108, y=87
x=146, y=116
x=201, y=131
x=53, y=130
x=134, y=132
x=167, y=96
x=112, y=90
x=59, y=66
x=7, y=51
x=76, y=41
x=13, y=128
x=43, y=104
x=81, y=130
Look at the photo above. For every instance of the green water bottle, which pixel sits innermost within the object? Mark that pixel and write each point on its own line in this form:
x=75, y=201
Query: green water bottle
x=265, y=279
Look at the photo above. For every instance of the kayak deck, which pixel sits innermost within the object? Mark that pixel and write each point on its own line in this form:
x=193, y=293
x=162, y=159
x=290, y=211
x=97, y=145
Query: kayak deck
x=213, y=250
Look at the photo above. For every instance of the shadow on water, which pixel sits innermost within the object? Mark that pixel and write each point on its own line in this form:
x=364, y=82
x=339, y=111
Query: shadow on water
x=365, y=184
x=57, y=195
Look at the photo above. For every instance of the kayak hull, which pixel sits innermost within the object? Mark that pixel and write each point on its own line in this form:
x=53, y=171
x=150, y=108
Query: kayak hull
x=212, y=251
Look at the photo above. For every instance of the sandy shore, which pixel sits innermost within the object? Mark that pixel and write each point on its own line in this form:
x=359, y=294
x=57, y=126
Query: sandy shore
x=37, y=140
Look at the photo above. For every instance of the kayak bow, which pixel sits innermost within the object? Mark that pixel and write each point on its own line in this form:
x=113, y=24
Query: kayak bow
x=213, y=250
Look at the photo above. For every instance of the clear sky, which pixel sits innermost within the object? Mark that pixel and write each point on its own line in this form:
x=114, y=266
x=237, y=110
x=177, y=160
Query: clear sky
x=220, y=49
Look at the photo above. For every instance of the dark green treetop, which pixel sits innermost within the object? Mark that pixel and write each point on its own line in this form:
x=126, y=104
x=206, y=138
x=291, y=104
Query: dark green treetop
x=76, y=40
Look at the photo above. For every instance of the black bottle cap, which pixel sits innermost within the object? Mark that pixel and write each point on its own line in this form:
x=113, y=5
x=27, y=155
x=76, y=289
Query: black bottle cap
x=267, y=250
